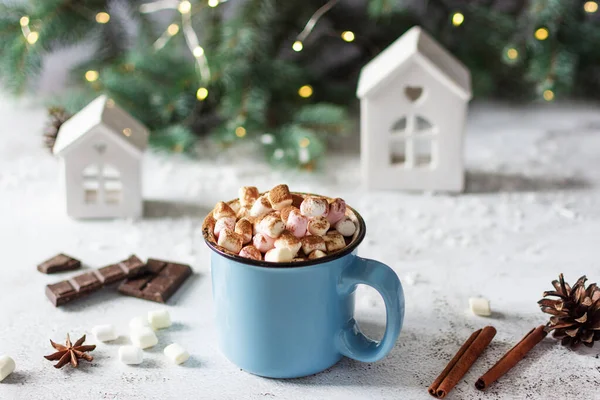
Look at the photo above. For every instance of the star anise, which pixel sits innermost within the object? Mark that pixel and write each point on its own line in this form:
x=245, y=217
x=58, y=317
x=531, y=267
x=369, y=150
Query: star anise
x=70, y=352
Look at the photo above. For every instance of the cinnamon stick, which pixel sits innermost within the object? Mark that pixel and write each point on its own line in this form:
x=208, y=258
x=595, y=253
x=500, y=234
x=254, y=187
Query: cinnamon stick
x=462, y=362
x=512, y=357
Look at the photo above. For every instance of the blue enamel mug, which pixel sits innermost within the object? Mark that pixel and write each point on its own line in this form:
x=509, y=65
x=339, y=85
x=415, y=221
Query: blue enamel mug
x=288, y=320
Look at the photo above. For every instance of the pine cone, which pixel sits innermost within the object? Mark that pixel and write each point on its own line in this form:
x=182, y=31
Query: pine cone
x=56, y=117
x=576, y=314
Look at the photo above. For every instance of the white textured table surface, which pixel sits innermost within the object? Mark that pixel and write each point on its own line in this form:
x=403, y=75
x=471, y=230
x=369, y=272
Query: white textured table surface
x=532, y=211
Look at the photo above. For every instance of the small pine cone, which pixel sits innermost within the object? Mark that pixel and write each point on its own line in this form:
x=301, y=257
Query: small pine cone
x=56, y=117
x=575, y=314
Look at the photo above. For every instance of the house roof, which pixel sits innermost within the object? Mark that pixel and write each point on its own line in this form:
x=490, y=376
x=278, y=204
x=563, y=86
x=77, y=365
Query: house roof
x=415, y=41
x=103, y=111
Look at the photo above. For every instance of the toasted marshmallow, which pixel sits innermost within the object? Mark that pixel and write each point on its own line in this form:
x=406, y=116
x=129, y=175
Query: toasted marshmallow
x=316, y=254
x=251, y=252
x=296, y=223
x=280, y=197
x=337, y=210
x=244, y=228
x=345, y=226
x=248, y=195
x=312, y=243
x=271, y=225
x=235, y=206
x=243, y=212
x=318, y=226
x=334, y=241
x=222, y=223
x=285, y=212
x=230, y=240
x=223, y=210
x=263, y=242
x=314, y=206
x=282, y=254
x=261, y=207
x=290, y=241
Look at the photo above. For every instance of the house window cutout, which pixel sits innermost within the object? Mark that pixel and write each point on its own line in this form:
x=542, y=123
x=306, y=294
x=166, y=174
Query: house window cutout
x=102, y=181
x=413, y=143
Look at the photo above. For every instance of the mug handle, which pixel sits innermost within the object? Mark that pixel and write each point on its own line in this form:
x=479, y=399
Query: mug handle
x=351, y=341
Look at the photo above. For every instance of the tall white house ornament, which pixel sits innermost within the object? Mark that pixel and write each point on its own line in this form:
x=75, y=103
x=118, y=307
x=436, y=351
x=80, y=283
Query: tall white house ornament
x=100, y=150
x=413, y=99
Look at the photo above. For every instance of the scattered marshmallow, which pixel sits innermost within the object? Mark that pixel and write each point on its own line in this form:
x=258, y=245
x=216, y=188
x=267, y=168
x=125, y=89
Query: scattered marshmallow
x=296, y=223
x=280, y=197
x=334, y=241
x=480, y=306
x=316, y=254
x=248, y=195
x=7, y=367
x=176, y=353
x=263, y=242
x=230, y=240
x=223, y=210
x=222, y=223
x=282, y=254
x=105, y=333
x=345, y=226
x=261, y=207
x=289, y=241
x=251, y=252
x=130, y=355
x=312, y=243
x=318, y=226
x=138, y=322
x=271, y=225
x=313, y=206
x=159, y=319
x=244, y=228
x=337, y=211
x=143, y=337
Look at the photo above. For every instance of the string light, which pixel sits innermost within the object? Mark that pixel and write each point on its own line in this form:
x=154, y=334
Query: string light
x=24, y=21
x=512, y=53
x=278, y=154
x=32, y=37
x=184, y=7
x=310, y=25
x=548, y=95
x=127, y=132
x=590, y=7
x=213, y=3
x=305, y=91
x=202, y=93
x=198, y=51
x=173, y=29
x=457, y=19
x=348, y=36
x=92, y=76
x=304, y=142
x=240, y=131
x=297, y=46
x=102, y=17
x=267, y=138
x=541, y=34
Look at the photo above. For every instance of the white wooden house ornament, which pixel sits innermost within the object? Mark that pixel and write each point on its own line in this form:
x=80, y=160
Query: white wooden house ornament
x=414, y=98
x=100, y=150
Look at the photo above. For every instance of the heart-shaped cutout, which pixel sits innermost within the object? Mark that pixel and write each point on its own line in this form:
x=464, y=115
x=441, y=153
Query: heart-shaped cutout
x=100, y=148
x=413, y=93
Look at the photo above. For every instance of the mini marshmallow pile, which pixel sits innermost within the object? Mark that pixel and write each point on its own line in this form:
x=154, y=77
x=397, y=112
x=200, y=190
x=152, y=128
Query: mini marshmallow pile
x=269, y=227
x=142, y=336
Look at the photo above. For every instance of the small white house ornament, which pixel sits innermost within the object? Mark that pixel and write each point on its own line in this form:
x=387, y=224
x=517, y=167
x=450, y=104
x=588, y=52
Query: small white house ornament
x=100, y=150
x=413, y=99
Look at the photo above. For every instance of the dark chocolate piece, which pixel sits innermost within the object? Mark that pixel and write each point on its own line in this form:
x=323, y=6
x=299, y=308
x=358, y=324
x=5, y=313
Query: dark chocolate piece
x=91, y=281
x=159, y=283
x=58, y=263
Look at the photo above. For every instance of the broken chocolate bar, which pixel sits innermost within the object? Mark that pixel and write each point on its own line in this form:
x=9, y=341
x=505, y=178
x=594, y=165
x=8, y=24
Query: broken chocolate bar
x=159, y=283
x=88, y=282
x=58, y=263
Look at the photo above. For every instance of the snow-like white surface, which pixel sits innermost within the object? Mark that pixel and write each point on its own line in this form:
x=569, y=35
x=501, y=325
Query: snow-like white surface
x=532, y=211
